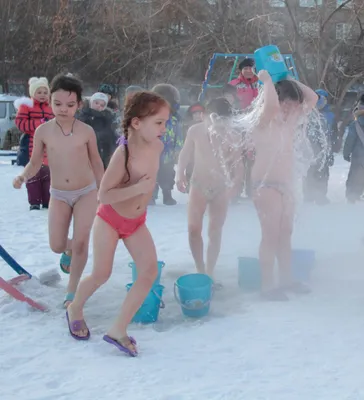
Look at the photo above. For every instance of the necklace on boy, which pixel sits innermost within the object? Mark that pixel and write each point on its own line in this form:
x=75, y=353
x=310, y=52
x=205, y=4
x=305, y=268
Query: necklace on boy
x=71, y=133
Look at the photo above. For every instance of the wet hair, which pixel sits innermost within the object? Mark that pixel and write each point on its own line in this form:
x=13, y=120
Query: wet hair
x=289, y=90
x=219, y=106
x=68, y=83
x=140, y=105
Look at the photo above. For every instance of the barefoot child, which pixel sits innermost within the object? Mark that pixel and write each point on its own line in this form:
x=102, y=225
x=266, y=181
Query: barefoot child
x=76, y=171
x=125, y=191
x=212, y=155
x=285, y=103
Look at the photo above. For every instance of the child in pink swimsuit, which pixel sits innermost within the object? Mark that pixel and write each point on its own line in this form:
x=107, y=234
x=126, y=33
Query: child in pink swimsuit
x=125, y=192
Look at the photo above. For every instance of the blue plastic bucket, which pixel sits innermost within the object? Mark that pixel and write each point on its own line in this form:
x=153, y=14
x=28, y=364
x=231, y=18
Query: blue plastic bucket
x=303, y=261
x=194, y=294
x=149, y=310
x=270, y=59
x=249, y=277
x=134, y=272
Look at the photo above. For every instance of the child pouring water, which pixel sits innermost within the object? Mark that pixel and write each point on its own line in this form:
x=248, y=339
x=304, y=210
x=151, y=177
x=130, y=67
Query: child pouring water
x=125, y=192
x=216, y=154
x=76, y=170
x=284, y=105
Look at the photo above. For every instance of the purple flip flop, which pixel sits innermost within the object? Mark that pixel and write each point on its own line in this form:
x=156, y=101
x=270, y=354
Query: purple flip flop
x=77, y=325
x=122, y=348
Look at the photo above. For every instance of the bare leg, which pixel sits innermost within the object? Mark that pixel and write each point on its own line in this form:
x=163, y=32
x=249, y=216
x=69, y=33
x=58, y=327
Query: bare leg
x=105, y=240
x=284, y=252
x=196, y=209
x=84, y=212
x=268, y=203
x=59, y=218
x=217, y=216
x=141, y=248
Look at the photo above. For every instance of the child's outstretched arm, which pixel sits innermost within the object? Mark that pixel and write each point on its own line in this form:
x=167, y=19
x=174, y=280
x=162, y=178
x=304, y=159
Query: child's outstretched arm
x=184, y=158
x=110, y=192
x=271, y=102
x=35, y=161
x=94, y=156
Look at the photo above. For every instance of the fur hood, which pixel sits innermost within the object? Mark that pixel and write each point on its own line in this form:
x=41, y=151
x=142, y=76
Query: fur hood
x=23, y=101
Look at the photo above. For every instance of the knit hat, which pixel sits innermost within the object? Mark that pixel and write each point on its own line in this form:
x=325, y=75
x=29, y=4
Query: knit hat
x=36, y=83
x=99, y=96
x=247, y=62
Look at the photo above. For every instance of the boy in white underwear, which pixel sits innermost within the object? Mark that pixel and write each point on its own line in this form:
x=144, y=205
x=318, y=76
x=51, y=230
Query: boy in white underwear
x=76, y=172
x=216, y=158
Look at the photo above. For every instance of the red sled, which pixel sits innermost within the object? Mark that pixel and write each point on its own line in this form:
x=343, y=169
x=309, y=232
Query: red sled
x=8, y=287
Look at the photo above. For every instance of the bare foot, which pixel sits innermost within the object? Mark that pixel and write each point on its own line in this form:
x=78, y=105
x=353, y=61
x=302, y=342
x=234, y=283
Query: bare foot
x=73, y=316
x=274, y=295
x=125, y=342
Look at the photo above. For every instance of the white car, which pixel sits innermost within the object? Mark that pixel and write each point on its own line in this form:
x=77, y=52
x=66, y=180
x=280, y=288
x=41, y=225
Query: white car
x=7, y=115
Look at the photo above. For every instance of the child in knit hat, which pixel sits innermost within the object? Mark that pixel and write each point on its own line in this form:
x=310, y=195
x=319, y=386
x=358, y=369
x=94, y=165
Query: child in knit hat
x=101, y=118
x=98, y=101
x=32, y=112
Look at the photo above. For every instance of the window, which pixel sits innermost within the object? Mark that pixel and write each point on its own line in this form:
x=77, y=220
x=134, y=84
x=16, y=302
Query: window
x=178, y=28
x=310, y=61
x=277, y=3
x=12, y=110
x=349, y=5
x=310, y=3
x=2, y=109
x=309, y=29
x=343, y=31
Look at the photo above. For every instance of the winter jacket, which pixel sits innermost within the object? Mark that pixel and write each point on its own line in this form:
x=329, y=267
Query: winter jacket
x=247, y=90
x=172, y=139
x=322, y=134
x=103, y=123
x=22, y=157
x=30, y=115
x=354, y=147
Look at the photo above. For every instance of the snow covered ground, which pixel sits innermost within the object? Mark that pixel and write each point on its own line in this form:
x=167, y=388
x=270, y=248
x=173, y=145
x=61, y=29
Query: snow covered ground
x=309, y=348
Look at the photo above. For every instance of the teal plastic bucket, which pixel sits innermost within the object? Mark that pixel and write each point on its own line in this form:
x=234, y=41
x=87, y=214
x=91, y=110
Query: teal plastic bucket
x=134, y=272
x=149, y=310
x=303, y=262
x=194, y=294
x=249, y=274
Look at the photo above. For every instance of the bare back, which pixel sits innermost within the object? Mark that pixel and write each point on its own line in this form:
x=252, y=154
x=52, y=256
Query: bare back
x=274, y=145
x=68, y=156
x=207, y=164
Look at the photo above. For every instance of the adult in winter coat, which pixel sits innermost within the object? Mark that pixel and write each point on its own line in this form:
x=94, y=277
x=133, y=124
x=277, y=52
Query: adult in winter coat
x=246, y=83
x=96, y=114
x=354, y=153
x=173, y=142
x=31, y=113
x=323, y=135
